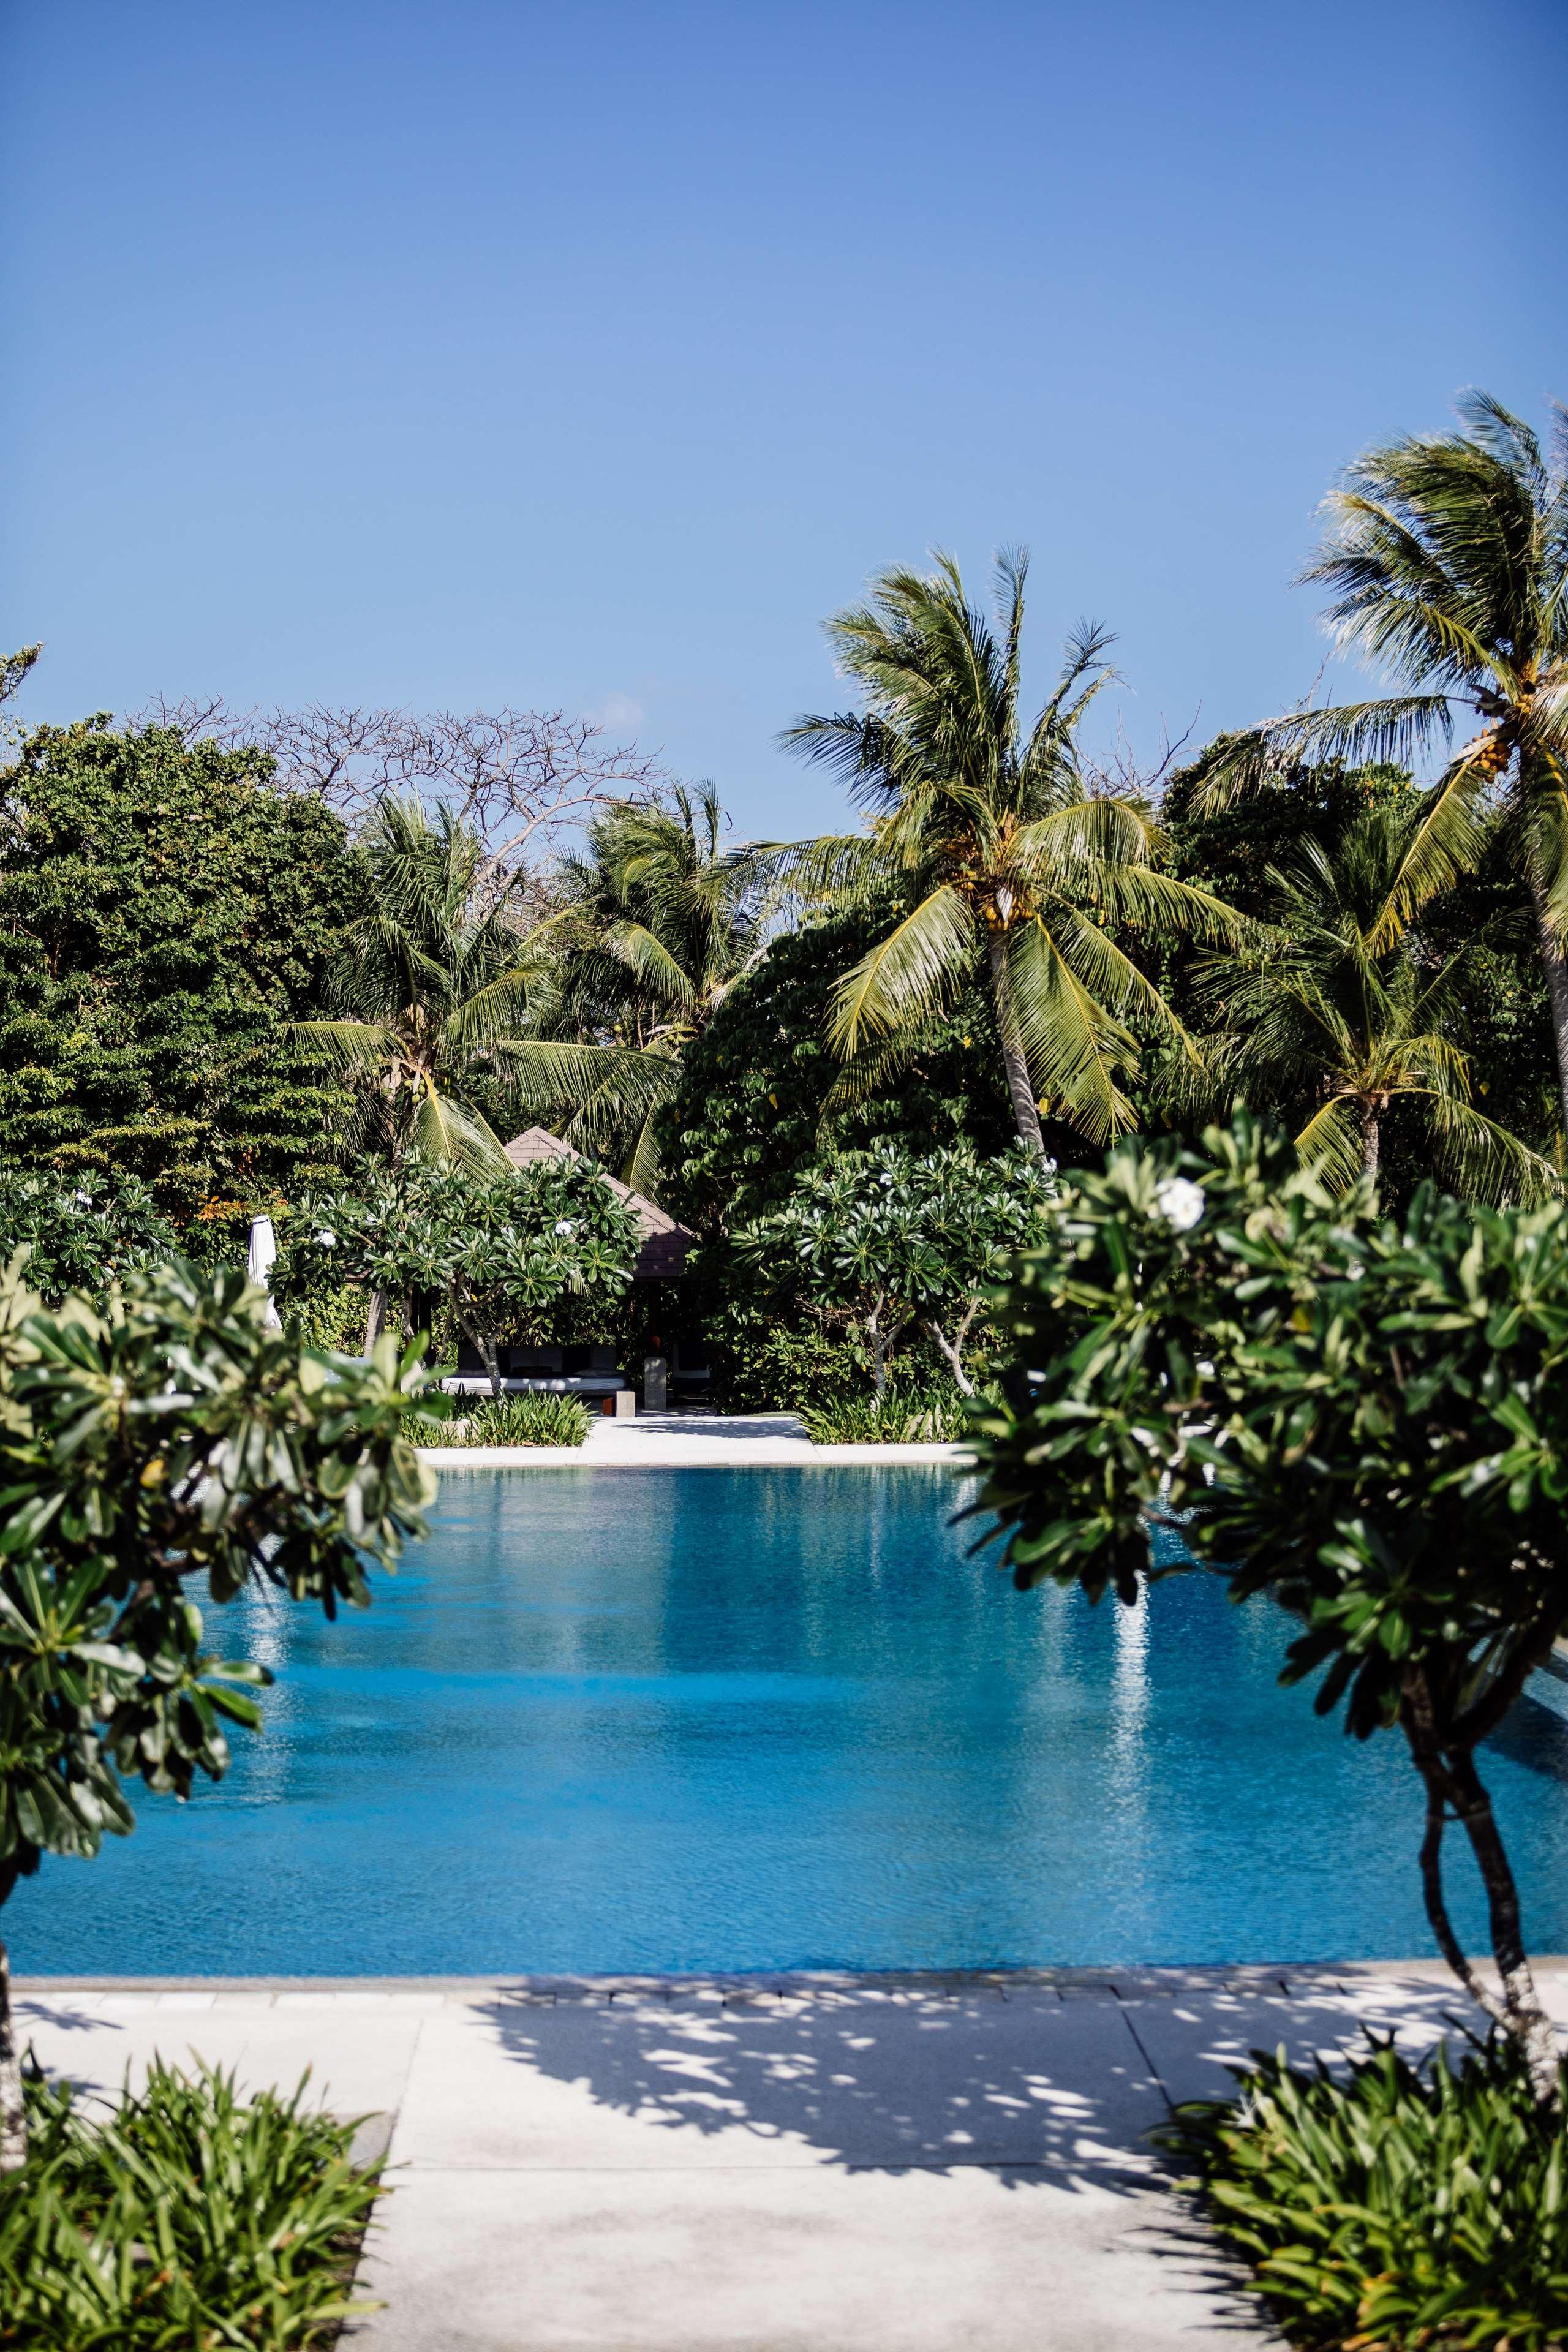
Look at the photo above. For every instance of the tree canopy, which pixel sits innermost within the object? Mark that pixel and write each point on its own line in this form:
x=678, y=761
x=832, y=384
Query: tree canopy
x=164, y=912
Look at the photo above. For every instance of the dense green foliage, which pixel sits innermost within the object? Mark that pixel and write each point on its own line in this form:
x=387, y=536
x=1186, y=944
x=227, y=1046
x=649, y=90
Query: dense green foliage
x=81, y=1233
x=164, y=913
x=656, y=918
x=888, y=1243
x=1366, y=1419
x=187, y=2217
x=430, y=979
x=537, y=1252
x=1447, y=564
x=1410, y=2208
x=761, y=1091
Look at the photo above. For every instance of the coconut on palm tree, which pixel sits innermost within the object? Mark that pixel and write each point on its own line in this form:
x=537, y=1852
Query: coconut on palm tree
x=656, y=918
x=428, y=986
x=1448, y=559
x=1003, y=855
x=1324, y=1004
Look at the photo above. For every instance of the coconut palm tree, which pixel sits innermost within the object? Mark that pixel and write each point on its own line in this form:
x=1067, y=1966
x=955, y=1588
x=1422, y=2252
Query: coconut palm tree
x=426, y=990
x=1448, y=559
x=658, y=918
x=997, y=845
x=1324, y=1002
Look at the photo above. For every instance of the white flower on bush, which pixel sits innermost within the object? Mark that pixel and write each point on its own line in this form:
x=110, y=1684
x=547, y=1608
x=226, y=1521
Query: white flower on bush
x=326, y=1240
x=1179, y=1202
x=564, y=1225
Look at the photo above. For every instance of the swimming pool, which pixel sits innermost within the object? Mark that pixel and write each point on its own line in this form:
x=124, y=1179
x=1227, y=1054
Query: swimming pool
x=689, y=1719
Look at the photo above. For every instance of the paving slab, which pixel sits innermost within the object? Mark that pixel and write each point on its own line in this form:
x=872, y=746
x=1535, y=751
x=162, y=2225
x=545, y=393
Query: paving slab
x=805, y=2261
x=812, y=2163
x=635, y=2084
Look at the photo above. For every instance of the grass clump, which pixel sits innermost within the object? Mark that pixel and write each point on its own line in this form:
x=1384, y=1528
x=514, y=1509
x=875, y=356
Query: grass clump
x=535, y=1417
x=905, y=1416
x=189, y=2218
x=1404, y=2208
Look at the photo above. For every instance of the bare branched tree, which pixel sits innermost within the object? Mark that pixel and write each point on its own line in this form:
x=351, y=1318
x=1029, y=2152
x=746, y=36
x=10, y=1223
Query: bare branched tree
x=517, y=778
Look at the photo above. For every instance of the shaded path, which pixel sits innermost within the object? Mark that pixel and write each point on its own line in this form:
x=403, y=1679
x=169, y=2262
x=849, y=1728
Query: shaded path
x=793, y=2164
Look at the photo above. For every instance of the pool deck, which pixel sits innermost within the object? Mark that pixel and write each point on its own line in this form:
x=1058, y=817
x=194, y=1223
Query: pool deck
x=821, y=2163
x=689, y=1441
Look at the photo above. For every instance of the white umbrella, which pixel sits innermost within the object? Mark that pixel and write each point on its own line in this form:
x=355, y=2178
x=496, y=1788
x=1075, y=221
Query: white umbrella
x=260, y=1260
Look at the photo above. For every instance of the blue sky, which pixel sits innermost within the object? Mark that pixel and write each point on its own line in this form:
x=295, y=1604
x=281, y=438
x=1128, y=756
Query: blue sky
x=591, y=355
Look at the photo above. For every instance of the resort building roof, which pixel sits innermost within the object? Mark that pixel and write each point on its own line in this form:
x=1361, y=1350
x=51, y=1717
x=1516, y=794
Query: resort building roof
x=665, y=1242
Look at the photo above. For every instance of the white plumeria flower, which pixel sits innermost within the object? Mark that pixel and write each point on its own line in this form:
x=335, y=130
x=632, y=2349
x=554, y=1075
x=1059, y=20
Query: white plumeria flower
x=1179, y=1202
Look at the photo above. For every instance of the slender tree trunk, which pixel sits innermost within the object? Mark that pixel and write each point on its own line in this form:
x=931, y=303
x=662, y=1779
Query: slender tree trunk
x=1452, y=1783
x=877, y=1340
x=1026, y=1116
x=1556, y=969
x=953, y=1348
x=1530, y=2020
x=375, y=1317
x=13, y=2108
x=489, y=1356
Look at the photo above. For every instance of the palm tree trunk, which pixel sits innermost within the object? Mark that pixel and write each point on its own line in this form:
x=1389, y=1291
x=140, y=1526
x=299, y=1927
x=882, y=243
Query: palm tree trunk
x=1370, y=1137
x=1556, y=969
x=1026, y=1118
x=375, y=1318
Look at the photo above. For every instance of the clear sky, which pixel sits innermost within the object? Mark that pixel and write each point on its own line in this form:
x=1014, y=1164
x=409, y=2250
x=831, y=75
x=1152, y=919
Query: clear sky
x=463, y=351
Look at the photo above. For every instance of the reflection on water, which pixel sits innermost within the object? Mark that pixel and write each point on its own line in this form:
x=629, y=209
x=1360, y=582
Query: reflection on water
x=706, y=1718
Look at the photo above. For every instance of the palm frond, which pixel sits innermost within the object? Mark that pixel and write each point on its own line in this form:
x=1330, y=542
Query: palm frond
x=352, y=1047
x=451, y=1132
x=905, y=976
x=1074, y=1046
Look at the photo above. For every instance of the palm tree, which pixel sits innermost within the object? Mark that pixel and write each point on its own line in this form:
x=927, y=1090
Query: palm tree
x=658, y=918
x=1447, y=557
x=426, y=989
x=1323, y=1002
x=996, y=843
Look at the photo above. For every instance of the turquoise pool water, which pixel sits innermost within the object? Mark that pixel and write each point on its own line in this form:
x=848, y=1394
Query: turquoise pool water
x=625, y=1719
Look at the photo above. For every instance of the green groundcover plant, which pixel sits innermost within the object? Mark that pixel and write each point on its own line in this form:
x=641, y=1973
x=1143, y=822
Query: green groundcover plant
x=1398, y=2208
x=527, y=1420
x=908, y=1412
x=186, y=2217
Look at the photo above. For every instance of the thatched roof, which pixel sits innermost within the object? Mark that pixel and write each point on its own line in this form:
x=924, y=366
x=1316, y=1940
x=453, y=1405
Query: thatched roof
x=664, y=1243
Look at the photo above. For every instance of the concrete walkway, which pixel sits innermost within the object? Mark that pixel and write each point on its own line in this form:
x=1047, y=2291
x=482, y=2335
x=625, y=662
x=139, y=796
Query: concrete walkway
x=689, y=1441
x=792, y=2164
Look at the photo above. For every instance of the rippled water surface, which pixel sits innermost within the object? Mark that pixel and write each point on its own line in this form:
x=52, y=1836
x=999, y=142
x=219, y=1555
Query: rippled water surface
x=745, y=1719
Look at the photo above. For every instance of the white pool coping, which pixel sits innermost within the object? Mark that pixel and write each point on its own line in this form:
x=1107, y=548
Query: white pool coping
x=693, y=1441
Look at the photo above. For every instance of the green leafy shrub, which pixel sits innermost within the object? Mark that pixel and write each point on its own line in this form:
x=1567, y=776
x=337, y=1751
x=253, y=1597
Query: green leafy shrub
x=907, y=1414
x=81, y=1233
x=530, y=1419
x=189, y=2217
x=1405, y=2207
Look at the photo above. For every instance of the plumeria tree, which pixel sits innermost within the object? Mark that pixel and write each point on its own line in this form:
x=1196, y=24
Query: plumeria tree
x=885, y=1243
x=170, y=1440
x=1364, y=1419
x=80, y=1235
x=534, y=1253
